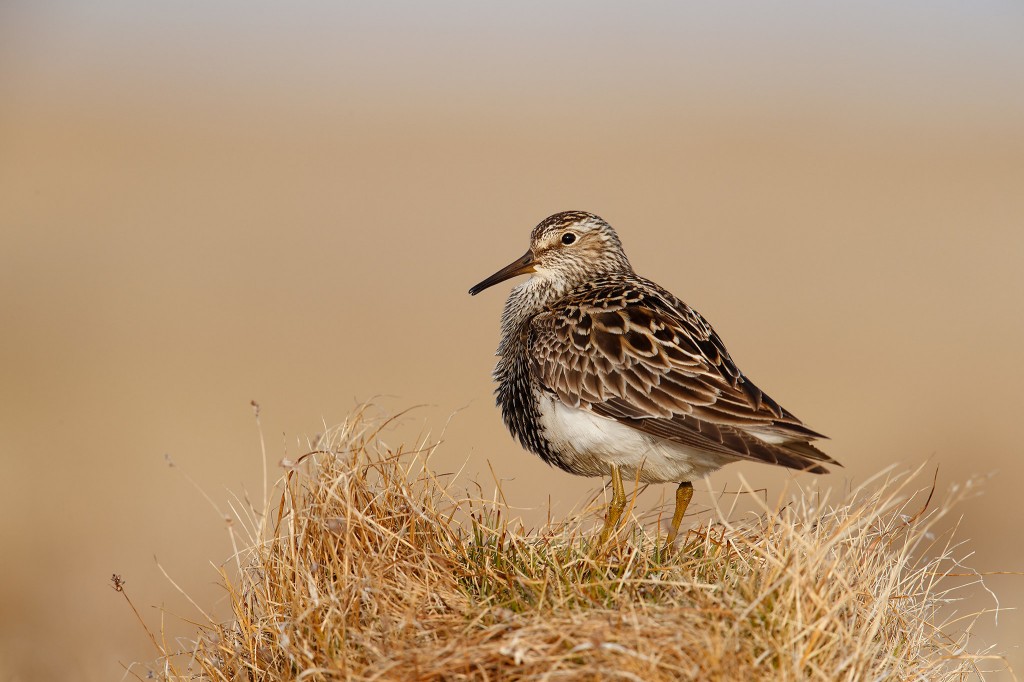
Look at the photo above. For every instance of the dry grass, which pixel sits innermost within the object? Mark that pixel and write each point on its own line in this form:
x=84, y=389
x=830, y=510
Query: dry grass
x=368, y=566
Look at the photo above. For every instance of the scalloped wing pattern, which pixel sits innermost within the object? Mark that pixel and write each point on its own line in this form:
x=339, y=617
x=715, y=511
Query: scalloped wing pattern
x=625, y=349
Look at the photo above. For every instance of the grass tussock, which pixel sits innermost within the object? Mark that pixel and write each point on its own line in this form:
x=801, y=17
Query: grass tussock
x=368, y=566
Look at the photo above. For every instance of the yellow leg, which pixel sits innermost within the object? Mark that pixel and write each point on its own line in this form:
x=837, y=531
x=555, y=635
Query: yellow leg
x=683, y=495
x=616, y=507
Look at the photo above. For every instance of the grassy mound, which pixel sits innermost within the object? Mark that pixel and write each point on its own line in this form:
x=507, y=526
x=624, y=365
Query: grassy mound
x=368, y=566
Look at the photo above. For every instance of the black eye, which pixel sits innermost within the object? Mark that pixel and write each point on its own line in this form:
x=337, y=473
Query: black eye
x=568, y=238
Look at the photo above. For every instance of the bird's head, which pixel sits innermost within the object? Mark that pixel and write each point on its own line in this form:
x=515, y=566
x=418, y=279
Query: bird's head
x=568, y=248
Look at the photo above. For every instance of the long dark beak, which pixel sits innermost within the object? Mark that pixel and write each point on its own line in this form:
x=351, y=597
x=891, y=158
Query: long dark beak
x=520, y=266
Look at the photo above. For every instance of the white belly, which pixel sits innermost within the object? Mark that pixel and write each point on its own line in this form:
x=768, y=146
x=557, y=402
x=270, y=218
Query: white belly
x=588, y=444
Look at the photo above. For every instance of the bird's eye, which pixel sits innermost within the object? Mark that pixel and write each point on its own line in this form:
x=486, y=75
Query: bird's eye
x=568, y=238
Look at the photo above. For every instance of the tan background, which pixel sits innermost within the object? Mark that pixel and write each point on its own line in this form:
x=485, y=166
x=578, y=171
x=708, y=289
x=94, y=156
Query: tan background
x=203, y=205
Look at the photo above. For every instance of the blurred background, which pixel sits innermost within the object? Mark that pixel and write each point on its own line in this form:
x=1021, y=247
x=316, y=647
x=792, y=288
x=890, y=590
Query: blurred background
x=208, y=203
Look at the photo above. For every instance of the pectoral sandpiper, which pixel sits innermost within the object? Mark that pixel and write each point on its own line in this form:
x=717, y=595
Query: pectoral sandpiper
x=603, y=372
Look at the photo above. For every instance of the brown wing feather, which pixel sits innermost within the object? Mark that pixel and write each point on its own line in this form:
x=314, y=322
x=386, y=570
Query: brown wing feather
x=641, y=356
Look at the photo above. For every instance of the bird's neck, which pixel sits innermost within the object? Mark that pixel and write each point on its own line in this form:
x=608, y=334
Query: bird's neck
x=524, y=302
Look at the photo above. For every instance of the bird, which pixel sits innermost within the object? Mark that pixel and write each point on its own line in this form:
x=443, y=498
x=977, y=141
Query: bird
x=602, y=372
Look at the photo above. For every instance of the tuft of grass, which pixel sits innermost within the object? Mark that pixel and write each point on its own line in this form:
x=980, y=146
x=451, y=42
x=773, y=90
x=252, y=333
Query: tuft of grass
x=368, y=566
